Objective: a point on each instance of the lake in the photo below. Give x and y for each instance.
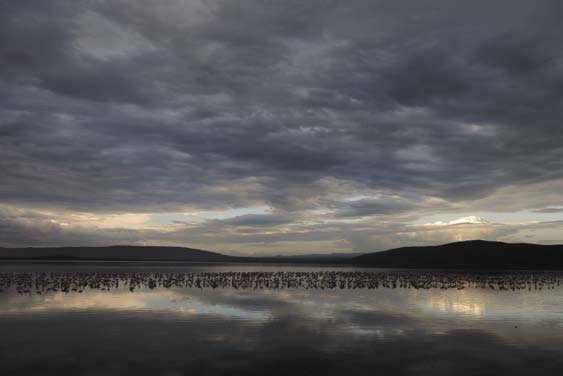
(140, 319)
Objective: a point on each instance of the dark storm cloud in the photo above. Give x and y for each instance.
(150, 106)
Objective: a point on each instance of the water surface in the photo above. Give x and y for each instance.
(87, 320)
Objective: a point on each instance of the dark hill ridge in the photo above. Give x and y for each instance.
(148, 253)
(475, 254)
(113, 253)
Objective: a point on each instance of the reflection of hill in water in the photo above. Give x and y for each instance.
(39, 283)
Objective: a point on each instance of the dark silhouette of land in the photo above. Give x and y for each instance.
(114, 253)
(475, 254)
(149, 254)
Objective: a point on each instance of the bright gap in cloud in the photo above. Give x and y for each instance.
(512, 217)
(164, 219)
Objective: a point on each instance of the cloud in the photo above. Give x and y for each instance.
(124, 108)
(472, 219)
(251, 220)
(549, 210)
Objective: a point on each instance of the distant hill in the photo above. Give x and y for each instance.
(151, 253)
(325, 257)
(475, 254)
(113, 253)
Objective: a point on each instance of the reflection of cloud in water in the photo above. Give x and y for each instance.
(457, 304)
(117, 344)
(168, 301)
(205, 331)
(379, 314)
(491, 305)
(327, 304)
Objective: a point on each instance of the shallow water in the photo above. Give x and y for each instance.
(322, 324)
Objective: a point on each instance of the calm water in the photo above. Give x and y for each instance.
(88, 320)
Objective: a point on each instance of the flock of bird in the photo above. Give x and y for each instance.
(70, 282)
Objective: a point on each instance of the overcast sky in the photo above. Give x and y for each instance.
(279, 127)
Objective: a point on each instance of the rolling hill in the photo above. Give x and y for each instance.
(114, 253)
(474, 254)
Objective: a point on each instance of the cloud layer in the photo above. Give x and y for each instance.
(335, 115)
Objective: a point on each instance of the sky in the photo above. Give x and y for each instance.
(263, 127)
